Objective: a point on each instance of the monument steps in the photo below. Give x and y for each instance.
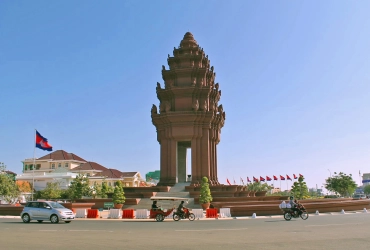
(176, 191)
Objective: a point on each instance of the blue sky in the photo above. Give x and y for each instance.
(294, 77)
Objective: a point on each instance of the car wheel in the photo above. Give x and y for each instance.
(39, 221)
(67, 221)
(54, 219)
(26, 218)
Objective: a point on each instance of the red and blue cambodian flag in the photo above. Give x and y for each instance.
(268, 178)
(282, 178)
(42, 142)
(262, 179)
(248, 180)
(275, 178)
(255, 179)
(288, 177)
(294, 176)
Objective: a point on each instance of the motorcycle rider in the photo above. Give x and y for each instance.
(293, 205)
(154, 206)
(180, 209)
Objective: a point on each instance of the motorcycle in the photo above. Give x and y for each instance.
(290, 213)
(185, 215)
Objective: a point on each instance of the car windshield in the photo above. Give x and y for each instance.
(56, 205)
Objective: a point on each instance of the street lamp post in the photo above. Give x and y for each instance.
(329, 172)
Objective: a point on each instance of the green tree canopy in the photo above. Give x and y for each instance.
(341, 183)
(118, 194)
(205, 192)
(367, 189)
(52, 191)
(79, 187)
(300, 189)
(258, 186)
(104, 190)
(8, 188)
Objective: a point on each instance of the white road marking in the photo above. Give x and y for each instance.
(327, 225)
(205, 230)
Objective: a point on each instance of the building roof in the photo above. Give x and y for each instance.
(10, 172)
(61, 155)
(90, 166)
(129, 174)
(110, 173)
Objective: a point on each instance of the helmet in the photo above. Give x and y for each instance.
(291, 197)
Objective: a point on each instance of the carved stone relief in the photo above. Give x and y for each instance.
(195, 105)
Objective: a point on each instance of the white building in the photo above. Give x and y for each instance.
(62, 167)
(366, 179)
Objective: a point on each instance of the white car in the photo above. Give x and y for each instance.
(46, 210)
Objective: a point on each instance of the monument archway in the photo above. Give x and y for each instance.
(189, 116)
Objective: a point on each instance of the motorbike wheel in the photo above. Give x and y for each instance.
(287, 216)
(176, 217)
(191, 217)
(304, 215)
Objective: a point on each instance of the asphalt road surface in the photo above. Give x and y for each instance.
(339, 231)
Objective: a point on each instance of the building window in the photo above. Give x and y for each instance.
(25, 167)
(38, 166)
(59, 165)
(31, 167)
(88, 174)
(109, 184)
(53, 166)
(66, 165)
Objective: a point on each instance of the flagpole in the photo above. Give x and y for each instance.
(280, 185)
(33, 167)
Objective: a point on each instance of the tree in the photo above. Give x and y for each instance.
(341, 183)
(367, 189)
(104, 190)
(300, 189)
(8, 188)
(205, 192)
(52, 191)
(96, 190)
(24, 186)
(79, 187)
(118, 195)
(259, 186)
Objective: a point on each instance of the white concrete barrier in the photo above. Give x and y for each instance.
(225, 212)
(81, 213)
(317, 212)
(198, 213)
(342, 212)
(254, 215)
(364, 211)
(115, 213)
(142, 213)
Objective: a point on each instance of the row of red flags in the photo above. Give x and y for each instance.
(274, 177)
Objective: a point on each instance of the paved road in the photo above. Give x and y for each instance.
(348, 231)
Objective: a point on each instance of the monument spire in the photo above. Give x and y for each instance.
(189, 115)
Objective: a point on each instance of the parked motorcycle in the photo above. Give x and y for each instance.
(186, 215)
